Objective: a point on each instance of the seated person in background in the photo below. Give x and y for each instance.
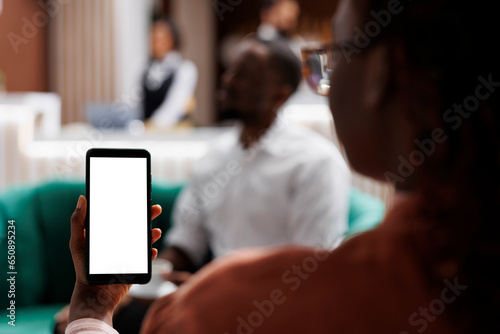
(265, 182)
(169, 81)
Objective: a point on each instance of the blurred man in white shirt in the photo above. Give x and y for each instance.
(265, 182)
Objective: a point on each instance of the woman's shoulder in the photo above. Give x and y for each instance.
(187, 65)
(373, 276)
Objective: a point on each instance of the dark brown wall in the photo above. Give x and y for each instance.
(244, 17)
(315, 20)
(23, 26)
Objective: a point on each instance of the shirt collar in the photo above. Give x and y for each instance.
(173, 57)
(162, 69)
(271, 142)
(267, 32)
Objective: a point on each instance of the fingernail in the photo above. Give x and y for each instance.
(80, 202)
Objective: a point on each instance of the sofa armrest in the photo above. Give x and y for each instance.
(18, 204)
(365, 212)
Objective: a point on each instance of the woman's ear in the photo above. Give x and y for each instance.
(387, 79)
(425, 101)
(417, 93)
(282, 94)
(377, 78)
(387, 102)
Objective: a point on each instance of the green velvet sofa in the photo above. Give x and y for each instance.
(45, 274)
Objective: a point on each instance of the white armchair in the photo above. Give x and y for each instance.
(47, 108)
(16, 132)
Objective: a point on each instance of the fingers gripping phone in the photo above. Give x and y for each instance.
(118, 223)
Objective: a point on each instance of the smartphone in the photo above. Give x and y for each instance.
(118, 223)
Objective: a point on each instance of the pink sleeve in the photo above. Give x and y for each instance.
(89, 326)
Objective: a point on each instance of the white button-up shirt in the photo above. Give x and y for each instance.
(289, 188)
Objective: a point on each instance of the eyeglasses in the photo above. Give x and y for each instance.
(317, 66)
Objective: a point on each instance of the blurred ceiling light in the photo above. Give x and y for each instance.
(0, 7)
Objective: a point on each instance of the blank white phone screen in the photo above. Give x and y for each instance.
(118, 216)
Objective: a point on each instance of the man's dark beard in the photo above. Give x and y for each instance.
(285, 33)
(229, 114)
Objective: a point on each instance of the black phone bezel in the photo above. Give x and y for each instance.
(128, 278)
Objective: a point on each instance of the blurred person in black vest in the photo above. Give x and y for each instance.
(169, 80)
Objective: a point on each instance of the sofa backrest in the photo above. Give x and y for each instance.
(42, 218)
(18, 204)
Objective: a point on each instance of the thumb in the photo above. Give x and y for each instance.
(77, 241)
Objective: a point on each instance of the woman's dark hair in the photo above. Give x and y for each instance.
(174, 30)
(453, 43)
(266, 4)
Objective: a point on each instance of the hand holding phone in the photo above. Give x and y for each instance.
(104, 298)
